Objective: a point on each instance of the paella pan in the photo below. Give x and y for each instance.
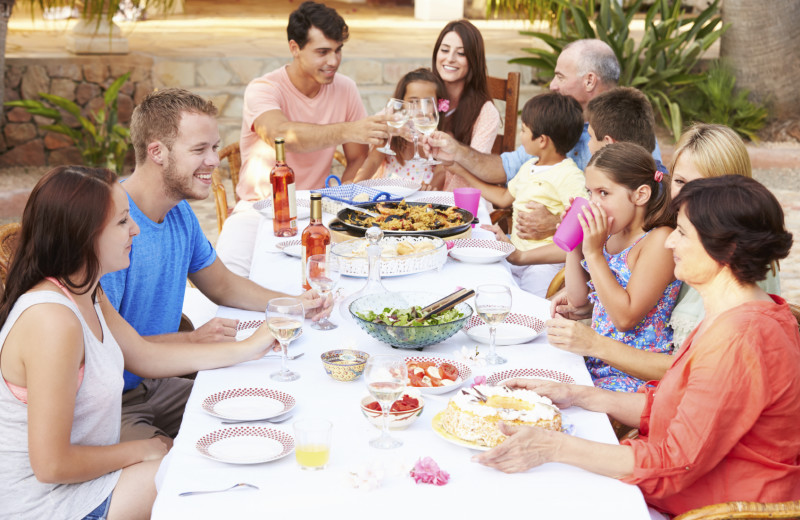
(406, 218)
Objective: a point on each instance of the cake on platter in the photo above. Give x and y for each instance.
(474, 414)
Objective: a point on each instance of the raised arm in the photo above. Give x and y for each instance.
(356, 155)
(487, 167)
(309, 137)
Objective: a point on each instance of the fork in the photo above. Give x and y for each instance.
(290, 358)
(240, 484)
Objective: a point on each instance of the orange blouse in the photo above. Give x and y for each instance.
(722, 424)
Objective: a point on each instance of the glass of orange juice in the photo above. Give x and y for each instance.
(312, 443)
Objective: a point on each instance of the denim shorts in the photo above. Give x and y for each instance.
(101, 511)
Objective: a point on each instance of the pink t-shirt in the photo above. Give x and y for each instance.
(483, 133)
(336, 102)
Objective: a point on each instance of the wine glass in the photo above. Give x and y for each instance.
(285, 319)
(397, 115)
(386, 380)
(493, 303)
(322, 273)
(425, 116)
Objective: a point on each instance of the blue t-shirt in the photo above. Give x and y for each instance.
(149, 293)
(513, 161)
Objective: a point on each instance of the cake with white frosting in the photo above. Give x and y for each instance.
(474, 414)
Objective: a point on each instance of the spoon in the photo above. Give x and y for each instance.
(240, 484)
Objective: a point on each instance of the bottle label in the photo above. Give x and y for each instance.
(292, 203)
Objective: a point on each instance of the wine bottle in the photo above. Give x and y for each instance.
(316, 239)
(284, 203)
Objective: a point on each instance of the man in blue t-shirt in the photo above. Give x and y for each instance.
(584, 70)
(175, 137)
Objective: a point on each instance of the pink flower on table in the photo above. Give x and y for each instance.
(428, 472)
(479, 380)
(444, 105)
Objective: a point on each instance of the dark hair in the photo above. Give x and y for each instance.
(632, 166)
(421, 74)
(557, 116)
(62, 220)
(158, 118)
(624, 114)
(476, 87)
(739, 222)
(312, 14)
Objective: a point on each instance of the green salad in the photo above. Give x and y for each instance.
(408, 317)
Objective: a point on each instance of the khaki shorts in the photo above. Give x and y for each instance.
(155, 407)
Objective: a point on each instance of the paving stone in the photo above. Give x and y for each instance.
(85, 92)
(245, 71)
(65, 156)
(143, 88)
(55, 141)
(34, 81)
(13, 77)
(18, 133)
(64, 88)
(363, 72)
(65, 70)
(233, 108)
(213, 73)
(28, 154)
(18, 115)
(95, 72)
(124, 108)
(219, 101)
(393, 71)
(174, 74)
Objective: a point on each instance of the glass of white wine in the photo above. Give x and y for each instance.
(425, 116)
(397, 115)
(285, 320)
(386, 379)
(323, 275)
(493, 302)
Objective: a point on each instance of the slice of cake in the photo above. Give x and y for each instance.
(473, 414)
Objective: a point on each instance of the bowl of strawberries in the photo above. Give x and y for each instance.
(404, 411)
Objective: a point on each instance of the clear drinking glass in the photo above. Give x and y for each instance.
(493, 303)
(425, 116)
(322, 273)
(312, 443)
(285, 319)
(386, 379)
(397, 115)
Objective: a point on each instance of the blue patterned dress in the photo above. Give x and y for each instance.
(651, 334)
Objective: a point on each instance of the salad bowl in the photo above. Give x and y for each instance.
(391, 318)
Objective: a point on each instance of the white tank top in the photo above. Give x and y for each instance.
(95, 422)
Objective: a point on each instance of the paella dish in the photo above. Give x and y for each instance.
(401, 216)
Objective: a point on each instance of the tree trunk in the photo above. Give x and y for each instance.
(5, 13)
(762, 47)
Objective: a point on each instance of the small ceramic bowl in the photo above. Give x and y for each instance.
(397, 420)
(343, 364)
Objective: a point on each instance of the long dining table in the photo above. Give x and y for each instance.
(361, 481)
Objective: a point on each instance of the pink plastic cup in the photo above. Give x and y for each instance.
(569, 233)
(468, 199)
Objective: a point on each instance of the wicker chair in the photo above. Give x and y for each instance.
(9, 235)
(232, 153)
(743, 510)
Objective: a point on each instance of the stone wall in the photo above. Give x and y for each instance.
(82, 80)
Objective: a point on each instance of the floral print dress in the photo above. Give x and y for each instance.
(651, 334)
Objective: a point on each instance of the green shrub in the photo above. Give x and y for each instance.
(103, 142)
(660, 65)
(716, 100)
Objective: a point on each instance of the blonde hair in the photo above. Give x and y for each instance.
(715, 150)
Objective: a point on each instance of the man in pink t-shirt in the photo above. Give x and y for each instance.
(313, 108)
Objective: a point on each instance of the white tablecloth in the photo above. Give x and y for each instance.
(549, 491)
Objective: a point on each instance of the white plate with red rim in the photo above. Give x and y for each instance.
(477, 251)
(397, 187)
(446, 200)
(246, 445)
(248, 404)
(532, 373)
(515, 330)
(464, 373)
(291, 247)
(303, 203)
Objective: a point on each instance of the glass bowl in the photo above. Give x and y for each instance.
(406, 337)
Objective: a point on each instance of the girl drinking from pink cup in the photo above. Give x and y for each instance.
(406, 163)
(622, 266)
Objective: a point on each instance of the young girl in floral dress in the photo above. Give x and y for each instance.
(623, 267)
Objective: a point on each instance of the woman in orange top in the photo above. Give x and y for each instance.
(724, 425)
